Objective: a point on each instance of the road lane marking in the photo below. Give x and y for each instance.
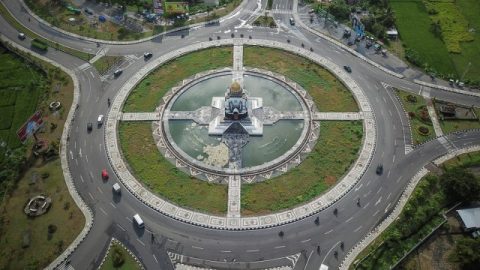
(359, 187)
(374, 214)
(357, 229)
(75, 145)
(393, 160)
(225, 251)
(388, 206)
(99, 189)
(388, 197)
(86, 157)
(366, 205)
(399, 178)
(388, 175)
(306, 240)
(252, 250)
(195, 247)
(348, 220)
(113, 205)
(121, 227)
(103, 211)
(81, 178)
(91, 195)
(91, 174)
(155, 258)
(328, 232)
(277, 247)
(390, 112)
(378, 201)
(368, 183)
(140, 242)
(306, 264)
(378, 191)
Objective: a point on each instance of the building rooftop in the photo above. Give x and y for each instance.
(470, 217)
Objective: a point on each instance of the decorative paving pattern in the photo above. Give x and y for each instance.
(234, 223)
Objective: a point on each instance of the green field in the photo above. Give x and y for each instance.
(458, 125)
(162, 177)
(147, 94)
(415, 120)
(128, 264)
(20, 88)
(326, 90)
(336, 149)
(450, 52)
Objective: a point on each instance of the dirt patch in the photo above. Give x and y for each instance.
(330, 180)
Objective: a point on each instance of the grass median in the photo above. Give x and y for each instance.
(119, 259)
(335, 151)
(162, 177)
(148, 93)
(326, 90)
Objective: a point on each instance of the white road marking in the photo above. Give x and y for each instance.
(378, 191)
(374, 214)
(140, 242)
(384, 99)
(172, 241)
(277, 247)
(76, 161)
(120, 227)
(393, 160)
(71, 154)
(155, 258)
(195, 247)
(359, 187)
(399, 178)
(103, 211)
(80, 152)
(328, 232)
(252, 250)
(113, 205)
(91, 73)
(128, 219)
(379, 200)
(388, 175)
(86, 157)
(390, 112)
(91, 174)
(357, 229)
(99, 190)
(91, 195)
(226, 251)
(346, 221)
(388, 206)
(306, 264)
(388, 197)
(368, 183)
(366, 205)
(306, 240)
(75, 145)
(81, 178)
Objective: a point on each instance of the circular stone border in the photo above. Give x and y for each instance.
(283, 163)
(217, 222)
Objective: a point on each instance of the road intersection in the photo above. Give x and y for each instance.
(166, 240)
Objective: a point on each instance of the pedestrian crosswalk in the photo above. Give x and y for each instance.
(447, 144)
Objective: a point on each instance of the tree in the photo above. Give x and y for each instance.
(339, 9)
(118, 258)
(466, 253)
(459, 185)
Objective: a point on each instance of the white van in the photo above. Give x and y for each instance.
(138, 220)
(100, 120)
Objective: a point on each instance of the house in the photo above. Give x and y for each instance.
(470, 218)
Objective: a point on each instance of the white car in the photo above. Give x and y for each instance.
(116, 188)
(21, 36)
(100, 120)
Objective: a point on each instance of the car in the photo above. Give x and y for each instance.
(292, 21)
(116, 188)
(100, 120)
(347, 69)
(138, 220)
(379, 170)
(21, 36)
(89, 126)
(104, 174)
(88, 11)
(117, 72)
(147, 55)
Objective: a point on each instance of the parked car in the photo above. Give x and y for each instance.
(105, 174)
(89, 126)
(347, 69)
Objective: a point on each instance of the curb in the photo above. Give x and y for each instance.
(341, 45)
(113, 42)
(312, 207)
(445, 88)
(371, 236)
(117, 242)
(63, 156)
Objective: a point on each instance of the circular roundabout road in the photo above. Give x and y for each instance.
(305, 242)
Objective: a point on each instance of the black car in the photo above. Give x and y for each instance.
(147, 55)
(379, 169)
(117, 73)
(347, 69)
(89, 127)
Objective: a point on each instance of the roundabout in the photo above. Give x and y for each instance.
(209, 201)
(234, 175)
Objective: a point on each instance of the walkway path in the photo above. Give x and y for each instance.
(337, 116)
(238, 63)
(433, 116)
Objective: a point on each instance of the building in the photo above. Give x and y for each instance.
(470, 218)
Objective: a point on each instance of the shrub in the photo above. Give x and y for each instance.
(423, 130)
(37, 43)
(118, 258)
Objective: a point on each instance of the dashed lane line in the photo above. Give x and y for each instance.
(226, 251)
(141, 242)
(252, 250)
(81, 178)
(306, 240)
(99, 190)
(113, 205)
(378, 201)
(328, 232)
(357, 229)
(91, 196)
(195, 247)
(155, 258)
(376, 212)
(121, 227)
(348, 220)
(103, 211)
(277, 247)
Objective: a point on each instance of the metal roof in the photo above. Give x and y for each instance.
(470, 217)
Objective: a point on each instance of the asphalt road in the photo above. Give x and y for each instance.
(241, 249)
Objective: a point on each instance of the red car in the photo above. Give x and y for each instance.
(104, 174)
